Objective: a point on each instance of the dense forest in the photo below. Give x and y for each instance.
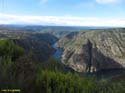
(19, 71)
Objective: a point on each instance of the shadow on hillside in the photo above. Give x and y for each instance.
(93, 60)
(105, 66)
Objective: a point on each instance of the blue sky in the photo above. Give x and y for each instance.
(63, 12)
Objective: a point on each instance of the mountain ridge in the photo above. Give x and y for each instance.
(94, 50)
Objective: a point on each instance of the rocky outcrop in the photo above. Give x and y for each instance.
(94, 50)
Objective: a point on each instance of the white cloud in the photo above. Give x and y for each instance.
(108, 1)
(62, 20)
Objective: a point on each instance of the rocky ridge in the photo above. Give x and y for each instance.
(94, 50)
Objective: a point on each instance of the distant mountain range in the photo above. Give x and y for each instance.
(47, 27)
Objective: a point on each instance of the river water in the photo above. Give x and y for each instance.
(58, 53)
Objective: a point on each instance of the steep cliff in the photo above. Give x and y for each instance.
(94, 50)
(39, 44)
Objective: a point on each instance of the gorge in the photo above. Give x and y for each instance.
(90, 61)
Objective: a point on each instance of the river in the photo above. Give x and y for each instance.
(58, 53)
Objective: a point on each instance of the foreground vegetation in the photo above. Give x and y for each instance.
(18, 71)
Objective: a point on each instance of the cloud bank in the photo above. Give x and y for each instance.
(61, 20)
(108, 1)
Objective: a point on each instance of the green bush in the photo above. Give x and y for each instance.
(57, 82)
(9, 52)
(9, 48)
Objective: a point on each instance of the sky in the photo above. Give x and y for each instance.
(63, 12)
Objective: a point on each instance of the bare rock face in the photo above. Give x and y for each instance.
(94, 50)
